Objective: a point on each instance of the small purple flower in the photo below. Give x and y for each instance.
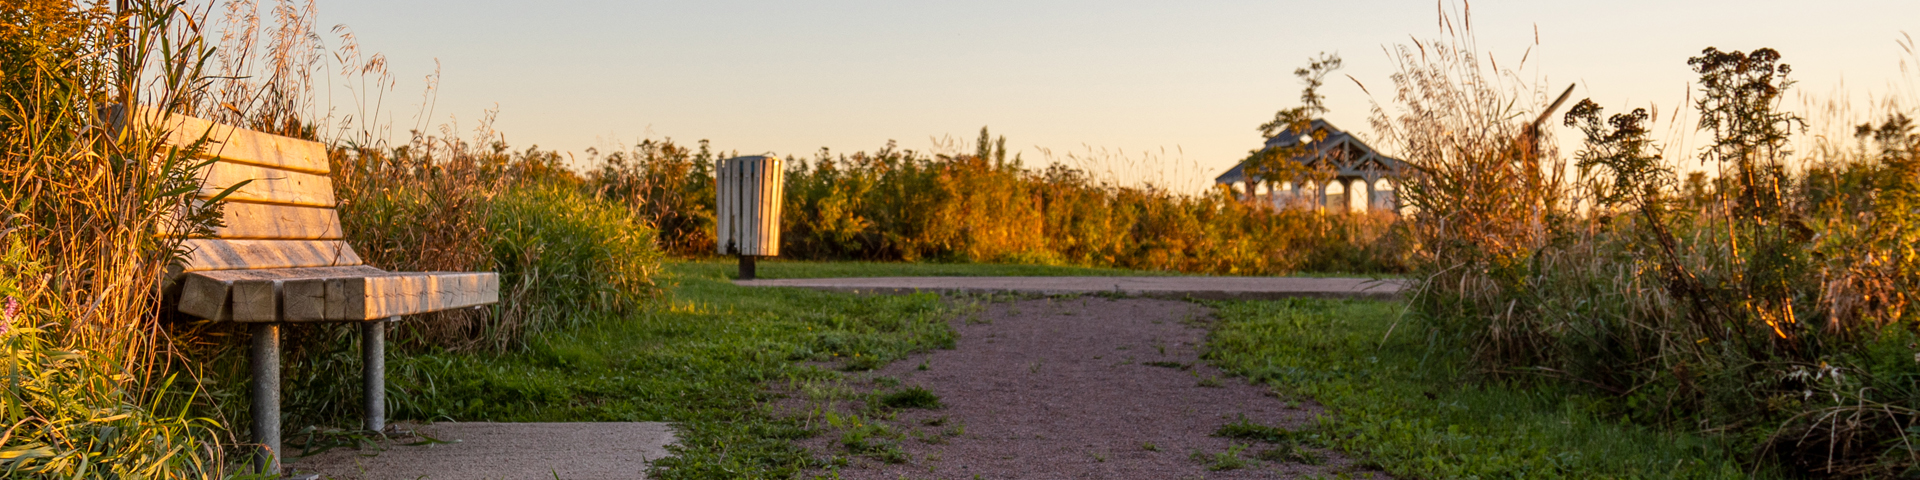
(12, 310)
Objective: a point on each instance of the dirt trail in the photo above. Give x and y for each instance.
(1083, 387)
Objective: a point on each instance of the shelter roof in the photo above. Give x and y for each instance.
(1346, 154)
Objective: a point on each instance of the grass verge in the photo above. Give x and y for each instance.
(700, 358)
(1397, 402)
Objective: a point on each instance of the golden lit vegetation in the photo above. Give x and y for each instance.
(1764, 304)
(904, 205)
(95, 386)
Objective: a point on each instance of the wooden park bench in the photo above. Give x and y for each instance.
(280, 258)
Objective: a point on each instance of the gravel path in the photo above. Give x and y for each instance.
(1084, 387)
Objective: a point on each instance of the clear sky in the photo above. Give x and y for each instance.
(1132, 79)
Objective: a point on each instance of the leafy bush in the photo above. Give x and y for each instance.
(561, 252)
(670, 187)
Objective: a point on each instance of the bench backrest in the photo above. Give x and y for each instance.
(284, 218)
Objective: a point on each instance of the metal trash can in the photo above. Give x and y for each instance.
(747, 209)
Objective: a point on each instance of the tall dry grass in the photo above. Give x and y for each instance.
(1765, 304)
(96, 386)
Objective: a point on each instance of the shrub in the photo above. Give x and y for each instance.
(668, 186)
(562, 252)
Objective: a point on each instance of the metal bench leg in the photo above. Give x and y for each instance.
(373, 371)
(266, 395)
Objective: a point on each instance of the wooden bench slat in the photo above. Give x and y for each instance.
(246, 220)
(207, 294)
(266, 221)
(330, 294)
(240, 145)
(268, 185)
(217, 254)
(382, 296)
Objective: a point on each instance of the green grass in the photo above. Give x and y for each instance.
(911, 397)
(1227, 460)
(701, 357)
(1397, 402)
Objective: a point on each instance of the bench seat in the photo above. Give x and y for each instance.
(330, 294)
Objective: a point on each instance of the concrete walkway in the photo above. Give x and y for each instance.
(1212, 288)
(509, 451)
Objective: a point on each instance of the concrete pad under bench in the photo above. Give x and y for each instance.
(509, 451)
(1211, 288)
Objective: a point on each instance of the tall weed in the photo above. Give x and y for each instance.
(1765, 304)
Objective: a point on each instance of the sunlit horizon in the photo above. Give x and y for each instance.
(1134, 91)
